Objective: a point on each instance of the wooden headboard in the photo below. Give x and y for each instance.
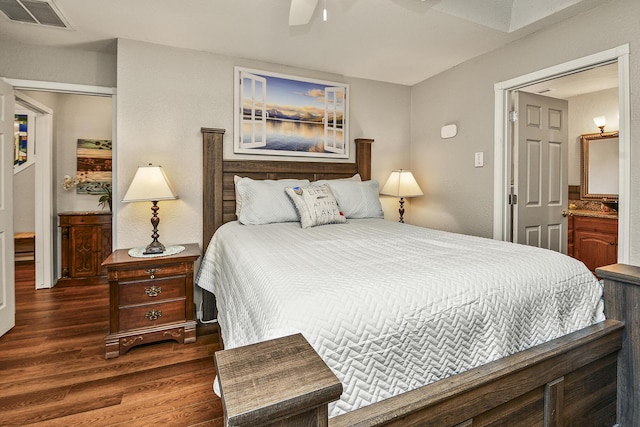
(218, 190)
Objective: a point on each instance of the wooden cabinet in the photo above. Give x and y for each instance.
(595, 240)
(150, 299)
(85, 243)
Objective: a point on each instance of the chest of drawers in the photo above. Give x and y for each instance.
(150, 299)
(85, 243)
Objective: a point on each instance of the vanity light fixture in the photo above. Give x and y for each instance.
(600, 122)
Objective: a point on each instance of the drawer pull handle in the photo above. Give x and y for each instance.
(152, 272)
(153, 314)
(153, 291)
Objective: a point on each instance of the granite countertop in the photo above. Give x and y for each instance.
(592, 213)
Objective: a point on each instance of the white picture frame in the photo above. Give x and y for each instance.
(283, 115)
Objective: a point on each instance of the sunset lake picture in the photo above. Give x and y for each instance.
(284, 115)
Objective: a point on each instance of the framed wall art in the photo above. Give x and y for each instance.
(24, 140)
(283, 115)
(94, 165)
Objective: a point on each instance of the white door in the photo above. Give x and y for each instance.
(540, 171)
(253, 102)
(334, 111)
(7, 278)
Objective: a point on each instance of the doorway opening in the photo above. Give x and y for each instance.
(503, 149)
(36, 96)
(32, 188)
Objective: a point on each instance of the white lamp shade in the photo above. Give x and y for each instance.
(600, 121)
(401, 183)
(149, 184)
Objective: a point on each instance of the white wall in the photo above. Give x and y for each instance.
(77, 117)
(50, 64)
(458, 196)
(382, 111)
(582, 110)
(74, 117)
(23, 201)
(165, 95)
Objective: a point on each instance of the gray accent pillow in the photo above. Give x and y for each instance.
(358, 199)
(316, 205)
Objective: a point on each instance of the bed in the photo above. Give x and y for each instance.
(381, 361)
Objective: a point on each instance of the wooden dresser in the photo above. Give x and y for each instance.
(150, 299)
(593, 239)
(85, 243)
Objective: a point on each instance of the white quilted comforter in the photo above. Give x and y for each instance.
(391, 307)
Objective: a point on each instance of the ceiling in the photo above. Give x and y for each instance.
(397, 41)
(588, 81)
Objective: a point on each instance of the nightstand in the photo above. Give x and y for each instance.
(150, 299)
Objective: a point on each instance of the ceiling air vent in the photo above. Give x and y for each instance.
(33, 12)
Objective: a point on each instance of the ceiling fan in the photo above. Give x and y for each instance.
(301, 11)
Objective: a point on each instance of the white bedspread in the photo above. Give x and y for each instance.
(391, 307)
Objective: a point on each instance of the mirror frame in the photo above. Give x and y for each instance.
(584, 169)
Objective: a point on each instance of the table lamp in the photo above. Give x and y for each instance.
(150, 184)
(401, 183)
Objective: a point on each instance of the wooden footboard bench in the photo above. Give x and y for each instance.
(567, 381)
(622, 302)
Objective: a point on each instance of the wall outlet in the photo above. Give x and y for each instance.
(479, 159)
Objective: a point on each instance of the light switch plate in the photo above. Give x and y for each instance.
(479, 159)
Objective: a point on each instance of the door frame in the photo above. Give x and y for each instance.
(45, 217)
(502, 147)
(43, 172)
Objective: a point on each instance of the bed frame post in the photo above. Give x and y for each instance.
(363, 157)
(622, 302)
(211, 188)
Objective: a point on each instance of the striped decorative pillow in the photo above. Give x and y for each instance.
(316, 205)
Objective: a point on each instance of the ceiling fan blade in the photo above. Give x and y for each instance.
(301, 11)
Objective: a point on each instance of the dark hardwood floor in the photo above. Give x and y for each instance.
(53, 370)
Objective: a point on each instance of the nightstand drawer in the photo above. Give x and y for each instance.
(152, 272)
(152, 291)
(150, 315)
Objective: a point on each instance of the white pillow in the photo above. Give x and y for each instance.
(237, 178)
(316, 205)
(355, 177)
(265, 201)
(358, 199)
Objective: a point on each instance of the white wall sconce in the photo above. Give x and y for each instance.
(600, 122)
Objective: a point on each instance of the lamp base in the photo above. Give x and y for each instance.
(154, 247)
(401, 210)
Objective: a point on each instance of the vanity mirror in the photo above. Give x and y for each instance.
(599, 166)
